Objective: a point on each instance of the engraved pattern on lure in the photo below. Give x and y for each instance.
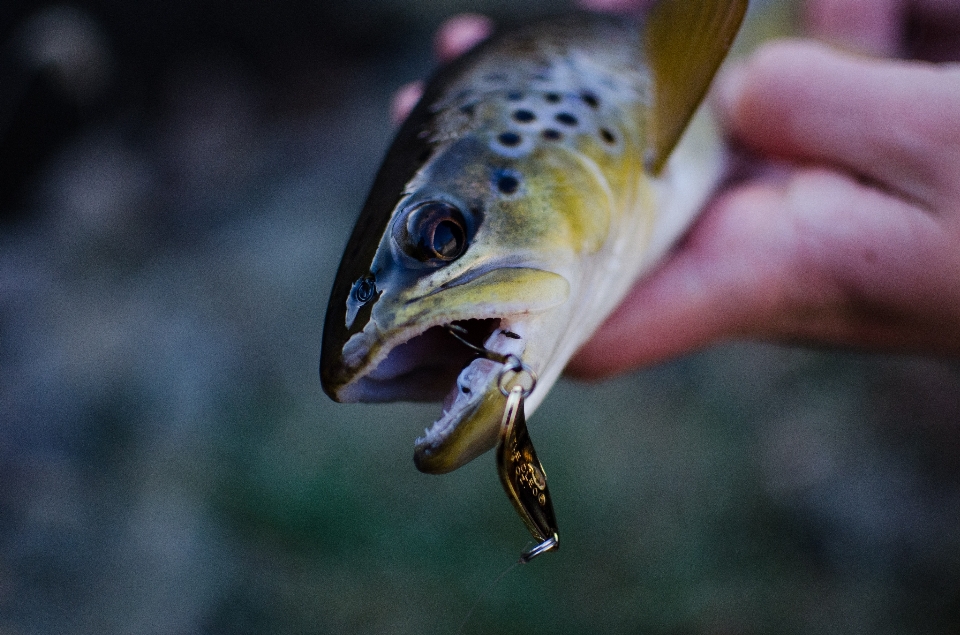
(520, 471)
(523, 478)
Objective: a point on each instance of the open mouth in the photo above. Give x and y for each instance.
(424, 367)
(437, 366)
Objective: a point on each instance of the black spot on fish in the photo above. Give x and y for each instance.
(511, 335)
(508, 183)
(607, 136)
(590, 99)
(552, 135)
(468, 110)
(465, 390)
(509, 139)
(524, 116)
(514, 95)
(553, 98)
(566, 119)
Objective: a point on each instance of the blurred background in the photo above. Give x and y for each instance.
(177, 181)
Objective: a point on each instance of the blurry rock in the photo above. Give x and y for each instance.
(99, 195)
(66, 43)
(55, 72)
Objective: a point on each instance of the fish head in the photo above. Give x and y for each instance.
(486, 235)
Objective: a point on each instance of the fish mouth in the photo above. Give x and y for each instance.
(405, 353)
(433, 365)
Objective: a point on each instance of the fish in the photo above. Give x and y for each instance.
(539, 176)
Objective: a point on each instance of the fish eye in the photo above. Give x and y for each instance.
(434, 233)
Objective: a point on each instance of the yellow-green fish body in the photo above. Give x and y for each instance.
(535, 180)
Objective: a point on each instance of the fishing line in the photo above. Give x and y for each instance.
(486, 593)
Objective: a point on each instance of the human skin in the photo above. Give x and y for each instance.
(847, 232)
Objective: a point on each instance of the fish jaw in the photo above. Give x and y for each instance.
(470, 423)
(473, 413)
(404, 352)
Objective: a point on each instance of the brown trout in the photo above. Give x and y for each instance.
(537, 178)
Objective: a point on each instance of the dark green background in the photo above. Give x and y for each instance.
(168, 463)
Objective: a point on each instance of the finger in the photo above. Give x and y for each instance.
(714, 280)
(818, 258)
(892, 122)
(867, 270)
(404, 100)
(867, 26)
(461, 33)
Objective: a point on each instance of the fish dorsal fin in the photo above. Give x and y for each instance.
(686, 41)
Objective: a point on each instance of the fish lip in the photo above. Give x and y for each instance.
(430, 451)
(470, 425)
(374, 360)
(345, 367)
(469, 421)
(357, 372)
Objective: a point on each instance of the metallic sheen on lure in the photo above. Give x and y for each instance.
(537, 178)
(523, 477)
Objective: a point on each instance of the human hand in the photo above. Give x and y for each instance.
(853, 241)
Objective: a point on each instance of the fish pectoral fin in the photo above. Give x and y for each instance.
(686, 42)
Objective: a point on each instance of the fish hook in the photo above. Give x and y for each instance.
(521, 472)
(513, 366)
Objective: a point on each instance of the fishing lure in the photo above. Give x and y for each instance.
(523, 477)
(520, 471)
